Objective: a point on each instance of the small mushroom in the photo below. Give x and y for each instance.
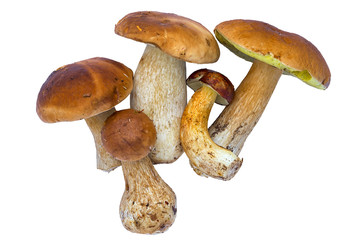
(207, 158)
(159, 80)
(89, 90)
(272, 52)
(148, 204)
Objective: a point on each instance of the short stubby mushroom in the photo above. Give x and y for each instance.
(159, 80)
(148, 204)
(272, 52)
(90, 90)
(207, 158)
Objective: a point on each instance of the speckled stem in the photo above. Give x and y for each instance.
(104, 160)
(206, 158)
(148, 205)
(237, 120)
(160, 91)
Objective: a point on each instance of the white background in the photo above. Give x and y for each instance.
(301, 173)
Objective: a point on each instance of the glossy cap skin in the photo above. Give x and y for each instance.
(287, 51)
(83, 89)
(217, 81)
(128, 135)
(175, 35)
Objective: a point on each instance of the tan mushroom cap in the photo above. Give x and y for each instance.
(128, 135)
(290, 52)
(83, 89)
(175, 35)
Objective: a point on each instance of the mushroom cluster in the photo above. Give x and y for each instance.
(161, 123)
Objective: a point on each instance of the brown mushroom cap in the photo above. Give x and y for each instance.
(128, 135)
(83, 89)
(175, 35)
(217, 81)
(288, 51)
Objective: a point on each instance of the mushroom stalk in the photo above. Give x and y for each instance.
(206, 158)
(104, 160)
(160, 91)
(148, 204)
(237, 120)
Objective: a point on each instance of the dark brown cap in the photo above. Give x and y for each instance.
(83, 89)
(288, 51)
(128, 135)
(217, 81)
(175, 35)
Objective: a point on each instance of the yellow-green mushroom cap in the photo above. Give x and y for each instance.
(289, 52)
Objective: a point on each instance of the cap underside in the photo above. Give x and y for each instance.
(195, 85)
(248, 55)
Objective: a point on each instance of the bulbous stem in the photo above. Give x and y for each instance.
(206, 158)
(105, 161)
(148, 204)
(160, 91)
(237, 120)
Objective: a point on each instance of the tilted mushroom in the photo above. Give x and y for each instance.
(89, 90)
(159, 80)
(272, 52)
(148, 204)
(207, 158)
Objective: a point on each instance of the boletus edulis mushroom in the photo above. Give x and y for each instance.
(159, 80)
(206, 157)
(273, 52)
(148, 204)
(90, 90)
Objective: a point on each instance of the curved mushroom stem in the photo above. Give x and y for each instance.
(160, 91)
(148, 204)
(105, 161)
(237, 120)
(206, 158)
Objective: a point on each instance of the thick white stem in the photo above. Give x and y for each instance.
(160, 91)
(104, 159)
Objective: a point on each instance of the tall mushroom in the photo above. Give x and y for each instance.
(148, 204)
(159, 80)
(272, 52)
(89, 90)
(207, 158)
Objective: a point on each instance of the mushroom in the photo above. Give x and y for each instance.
(207, 158)
(159, 80)
(272, 52)
(89, 90)
(148, 204)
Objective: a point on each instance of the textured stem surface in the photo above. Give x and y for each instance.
(104, 159)
(237, 120)
(148, 204)
(160, 91)
(206, 158)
